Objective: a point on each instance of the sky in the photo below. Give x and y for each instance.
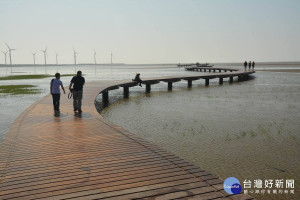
(151, 31)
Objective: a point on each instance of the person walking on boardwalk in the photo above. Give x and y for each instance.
(245, 65)
(138, 79)
(249, 65)
(77, 82)
(55, 91)
(253, 64)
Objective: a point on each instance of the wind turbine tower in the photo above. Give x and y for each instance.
(9, 50)
(75, 55)
(45, 54)
(5, 55)
(95, 57)
(33, 55)
(56, 58)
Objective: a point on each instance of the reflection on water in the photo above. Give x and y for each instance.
(249, 130)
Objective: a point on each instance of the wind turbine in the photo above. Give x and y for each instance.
(45, 54)
(75, 54)
(5, 55)
(56, 55)
(9, 49)
(56, 58)
(95, 57)
(33, 55)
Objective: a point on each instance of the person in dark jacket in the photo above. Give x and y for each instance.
(249, 65)
(245, 65)
(138, 79)
(77, 83)
(253, 64)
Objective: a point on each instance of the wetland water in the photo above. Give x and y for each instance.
(248, 130)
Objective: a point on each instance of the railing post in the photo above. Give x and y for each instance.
(169, 85)
(105, 97)
(220, 81)
(189, 83)
(207, 82)
(231, 79)
(126, 92)
(148, 87)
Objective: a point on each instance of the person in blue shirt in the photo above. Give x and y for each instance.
(55, 91)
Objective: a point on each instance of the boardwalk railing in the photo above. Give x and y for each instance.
(227, 73)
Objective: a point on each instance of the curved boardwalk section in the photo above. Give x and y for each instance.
(85, 157)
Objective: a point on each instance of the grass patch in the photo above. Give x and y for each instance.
(19, 89)
(252, 133)
(31, 76)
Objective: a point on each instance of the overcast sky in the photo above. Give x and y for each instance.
(151, 31)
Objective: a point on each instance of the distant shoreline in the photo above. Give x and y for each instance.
(118, 64)
(280, 70)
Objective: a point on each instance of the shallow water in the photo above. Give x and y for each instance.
(248, 130)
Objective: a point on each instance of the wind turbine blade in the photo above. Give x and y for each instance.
(7, 45)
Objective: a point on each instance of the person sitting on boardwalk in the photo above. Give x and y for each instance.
(77, 82)
(55, 91)
(245, 65)
(138, 79)
(253, 64)
(249, 65)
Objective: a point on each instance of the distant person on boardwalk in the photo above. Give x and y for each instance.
(138, 79)
(245, 65)
(249, 65)
(253, 64)
(77, 82)
(55, 91)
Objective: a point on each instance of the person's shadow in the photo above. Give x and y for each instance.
(59, 114)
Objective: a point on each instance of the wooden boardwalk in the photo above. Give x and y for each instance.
(85, 157)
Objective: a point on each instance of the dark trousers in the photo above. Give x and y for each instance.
(77, 97)
(56, 98)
